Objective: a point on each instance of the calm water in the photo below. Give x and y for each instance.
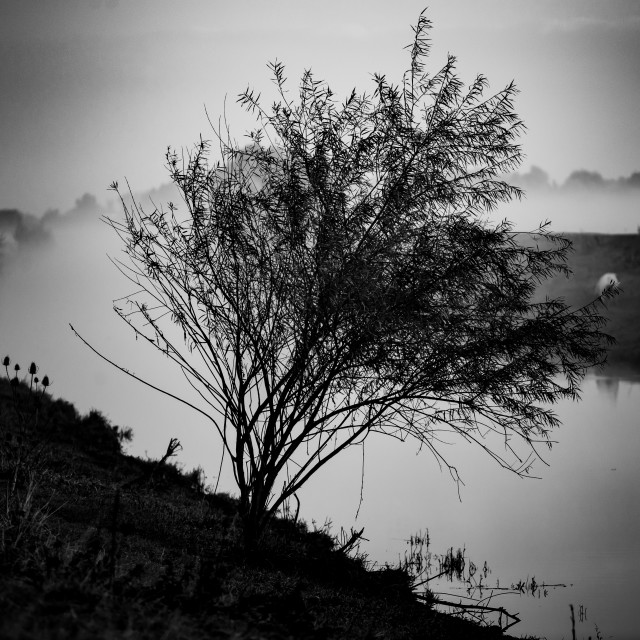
(578, 525)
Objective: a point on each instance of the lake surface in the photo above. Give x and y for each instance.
(578, 525)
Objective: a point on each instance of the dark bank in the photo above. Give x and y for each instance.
(99, 544)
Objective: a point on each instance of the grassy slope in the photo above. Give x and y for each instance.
(136, 550)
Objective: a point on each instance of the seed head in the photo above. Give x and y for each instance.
(6, 361)
(33, 369)
(45, 381)
(16, 367)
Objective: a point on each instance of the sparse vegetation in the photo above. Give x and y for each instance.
(480, 598)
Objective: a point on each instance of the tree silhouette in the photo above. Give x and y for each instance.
(339, 276)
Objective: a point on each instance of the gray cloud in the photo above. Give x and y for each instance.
(593, 24)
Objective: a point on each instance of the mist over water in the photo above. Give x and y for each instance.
(579, 524)
(582, 212)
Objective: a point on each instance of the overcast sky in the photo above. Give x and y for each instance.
(95, 90)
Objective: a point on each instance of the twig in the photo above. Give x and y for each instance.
(479, 607)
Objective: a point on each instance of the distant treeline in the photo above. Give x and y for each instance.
(581, 180)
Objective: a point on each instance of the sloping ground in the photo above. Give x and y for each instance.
(594, 255)
(96, 544)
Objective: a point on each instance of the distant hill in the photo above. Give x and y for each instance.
(594, 255)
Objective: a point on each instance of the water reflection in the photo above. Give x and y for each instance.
(579, 524)
(608, 387)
